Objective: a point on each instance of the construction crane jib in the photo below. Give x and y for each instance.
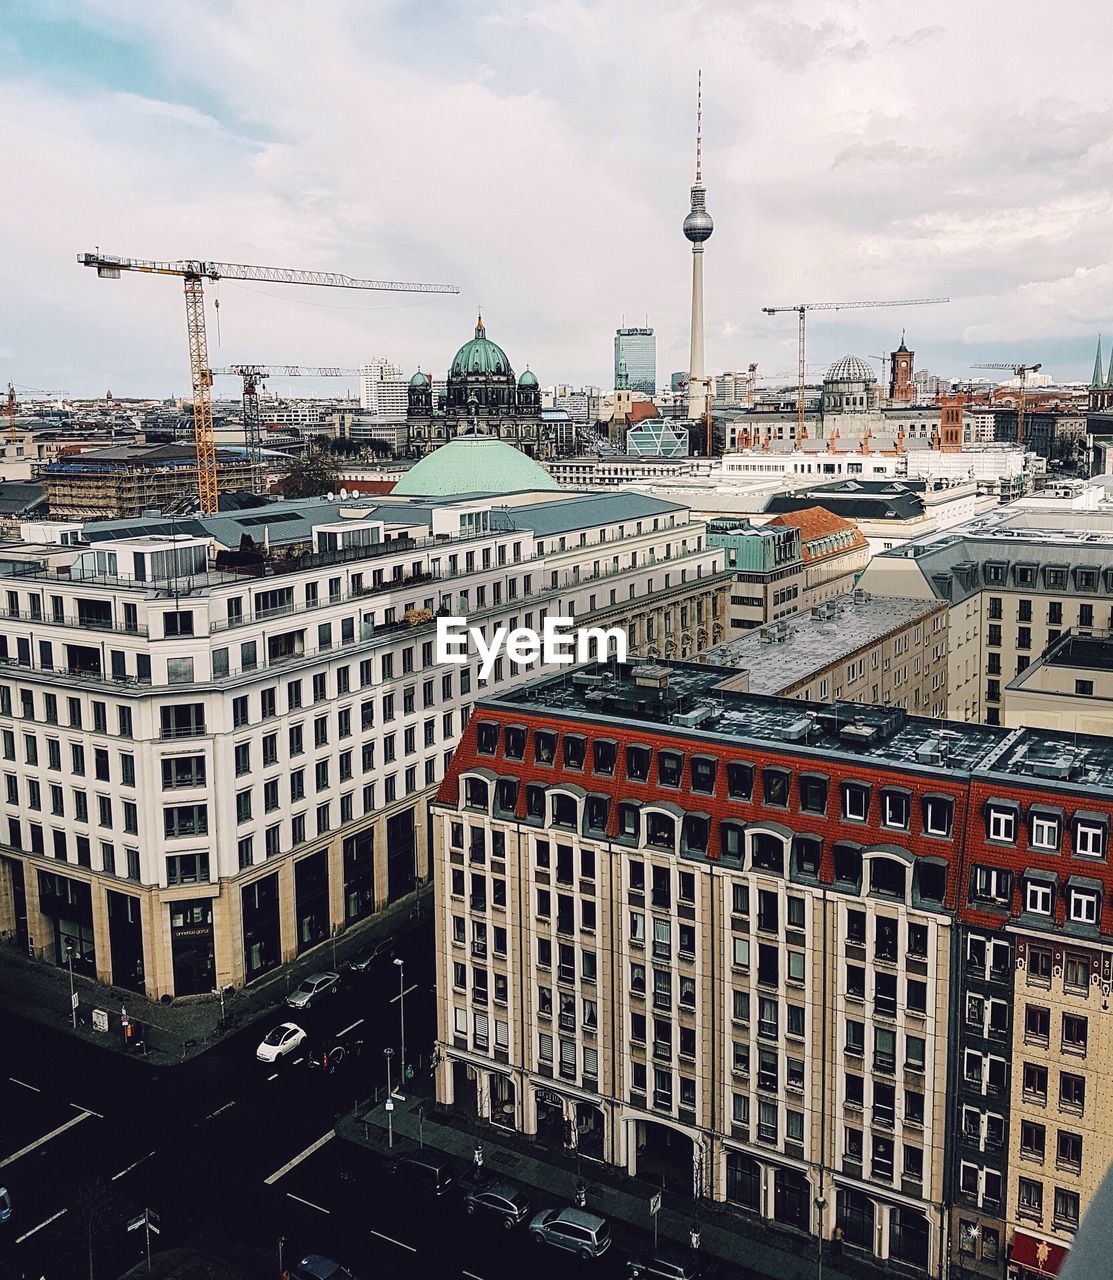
(253, 375)
(802, 308)
(1020, 372)
(193, 273)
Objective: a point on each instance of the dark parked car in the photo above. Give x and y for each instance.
(367, 957)
(427, 1172)
(316, 1267)
(331, 1055)
(662, 1267)
(500, 1200)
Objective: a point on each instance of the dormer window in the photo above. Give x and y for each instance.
(637, 763)
(603, 755)
(1043, 831)
(660, 830)
(670, 768)
(938, 815)
(515, 742)
(573, 751)
(1084, 906)
(544, 746)
(740, 780)
(506, 794)
(475, 794)
(704, 769)
(487, 737)
(813, 793)
(1090, 835)
(565, 811)
(1001, 824)
(855, 801)
(895, 810)
(1039, 898)
(598, 810)
(774, 787)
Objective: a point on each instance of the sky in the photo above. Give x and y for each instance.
(538, 154)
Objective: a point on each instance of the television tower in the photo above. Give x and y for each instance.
(698, 227)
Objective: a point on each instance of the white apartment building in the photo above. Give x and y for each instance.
(215, 759)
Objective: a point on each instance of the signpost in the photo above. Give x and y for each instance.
(148, 1219)
(655, 1209)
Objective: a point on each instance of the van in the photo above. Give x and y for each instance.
(428, 1172)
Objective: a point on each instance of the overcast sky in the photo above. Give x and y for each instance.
(538, 153)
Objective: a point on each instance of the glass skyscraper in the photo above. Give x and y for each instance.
(638, 348)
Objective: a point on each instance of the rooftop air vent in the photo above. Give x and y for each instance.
(796, 730)
(652, 677)
(697, 715)
(930, 752)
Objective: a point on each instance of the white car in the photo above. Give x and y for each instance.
(283, 1039)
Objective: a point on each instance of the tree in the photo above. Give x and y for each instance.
(313, 475)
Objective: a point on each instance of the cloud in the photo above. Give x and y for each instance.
(538, 153)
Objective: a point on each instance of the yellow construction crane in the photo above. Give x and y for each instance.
(193, 273)
(802, 308)
(1020, 372)
(252, 375)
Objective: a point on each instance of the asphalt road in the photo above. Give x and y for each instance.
(234, 1156)
(88, 1139)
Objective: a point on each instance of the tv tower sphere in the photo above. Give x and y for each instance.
(698, 225)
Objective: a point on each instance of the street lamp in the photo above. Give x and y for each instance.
(402, 1012)
(820, 1205)
(388, 1053)
(69, 965)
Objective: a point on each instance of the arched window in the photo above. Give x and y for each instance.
(888, 876)
(767, 853)
(566, 811)
(660, 830)
(476, 794)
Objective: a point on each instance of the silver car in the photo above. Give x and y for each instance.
(582, 1233)
(310, 989)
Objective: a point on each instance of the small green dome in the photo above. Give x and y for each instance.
(480, 355)
(528, 379)
(474, 464)
(419, 380)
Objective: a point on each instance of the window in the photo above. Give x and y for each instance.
(1089, 839)
(1035, 1082)
(813, 793)
(1037, 1024)
(774, 785)
(1072, 1091)
(855, 801)
(1033, 1138)
(989, 884)
(894, 810)
(1074, 1033)
(1039, 897)
(1084, 906)
(1066, 1207)
(1068, 1150)
(1043, 832)
(1030, 1198)
(1001, 825)
(938, 815)
(740, 780)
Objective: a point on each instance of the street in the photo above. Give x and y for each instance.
(234, 1155)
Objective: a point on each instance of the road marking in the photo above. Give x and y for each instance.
(472, 1276)
(23, 1084)
(117, 1176)
(358, 1023)
(31, 1146)
(87, 1110)
(304, 1155)
(297, 1060)
(28, 1234)
(220, 1109)
(400, 1243)
(274, 1077)
(310, 1203)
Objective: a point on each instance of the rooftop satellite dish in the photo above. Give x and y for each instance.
(343, 495)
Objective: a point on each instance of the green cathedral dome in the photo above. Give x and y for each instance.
(480, 355)
(474, 464)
